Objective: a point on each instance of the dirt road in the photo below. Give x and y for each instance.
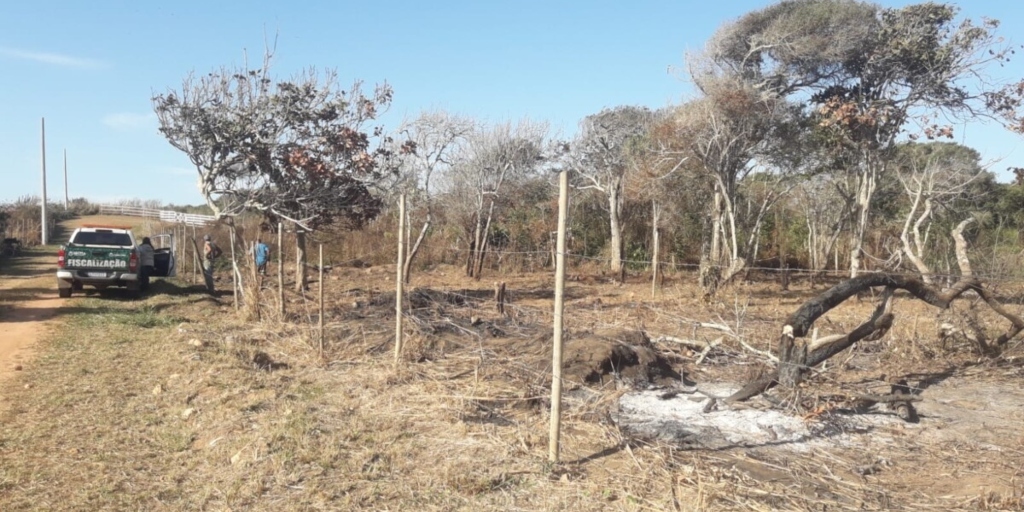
(28, 293)
(28, 305)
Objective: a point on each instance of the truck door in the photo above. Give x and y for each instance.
(163, 259)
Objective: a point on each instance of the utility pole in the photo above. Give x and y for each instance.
(44, 238)
(65, 179)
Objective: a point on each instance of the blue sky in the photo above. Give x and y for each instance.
(90, 68)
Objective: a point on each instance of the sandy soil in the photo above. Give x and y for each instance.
(29, 291)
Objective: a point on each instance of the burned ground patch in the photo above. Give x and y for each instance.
(625, 357)
(177, 405)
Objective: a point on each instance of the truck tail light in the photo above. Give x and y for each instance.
(133, 261)
(60, 258)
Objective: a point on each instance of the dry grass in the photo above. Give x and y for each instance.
(175, 403)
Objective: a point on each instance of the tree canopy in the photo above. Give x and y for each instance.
(301, 150)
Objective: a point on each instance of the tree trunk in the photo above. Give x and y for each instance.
(737, 260)
(614, 212)
(735, 267)
(482, 245)
(474, 244)
(710, 269)
(961, 247)
(301, 278)
(470, 258)
(812, 245)
(280, 268)
(416, 248)
(554, 244)
(915, 252)
(717, 229)
(753, 259)
(729, 211)
(780, 244)
(865, 191)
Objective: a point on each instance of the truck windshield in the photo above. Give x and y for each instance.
(102, 237)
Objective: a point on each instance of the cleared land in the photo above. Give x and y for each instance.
(175, 402)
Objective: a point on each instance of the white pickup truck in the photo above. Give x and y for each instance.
(105, 256)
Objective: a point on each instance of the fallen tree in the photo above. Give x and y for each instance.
(797, 355)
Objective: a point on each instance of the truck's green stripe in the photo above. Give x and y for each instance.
(88, 257)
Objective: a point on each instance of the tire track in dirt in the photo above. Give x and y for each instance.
(29, 306)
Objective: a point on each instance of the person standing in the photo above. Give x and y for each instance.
(262, 253)
(210, 254)
(146, 261)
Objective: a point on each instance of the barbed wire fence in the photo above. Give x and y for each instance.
(723, 334)
(685, 271)
(726, 334)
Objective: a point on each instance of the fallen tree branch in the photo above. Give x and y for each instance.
(1017, 324)
(698, 344)
(772, 357)
(888, 399)
(704, 346)
(718, 327)
(796, 358)
(732, 334)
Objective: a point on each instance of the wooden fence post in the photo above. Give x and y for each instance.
(234, 268)
(280, 267)
(301, 276)
(656, 235)
(321, 301)
(499, 297)
(556, 353)
(400, 279)
(184, 250)
(195, 256)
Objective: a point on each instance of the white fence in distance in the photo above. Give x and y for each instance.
(188, 219)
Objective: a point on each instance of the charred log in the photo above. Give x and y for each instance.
(796, 356)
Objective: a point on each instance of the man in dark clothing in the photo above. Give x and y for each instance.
(210, 254)
(146, 262)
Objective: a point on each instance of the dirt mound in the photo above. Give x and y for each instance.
(600, 357)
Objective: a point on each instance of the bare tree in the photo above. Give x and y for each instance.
(439, 137)
(490, 158)
(729, 132)
(934, 177)
(826, 213)
(656, 175)
(602, 156)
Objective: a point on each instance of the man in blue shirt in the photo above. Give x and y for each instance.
(262, 252)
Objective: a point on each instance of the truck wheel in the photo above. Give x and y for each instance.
(64, 292)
